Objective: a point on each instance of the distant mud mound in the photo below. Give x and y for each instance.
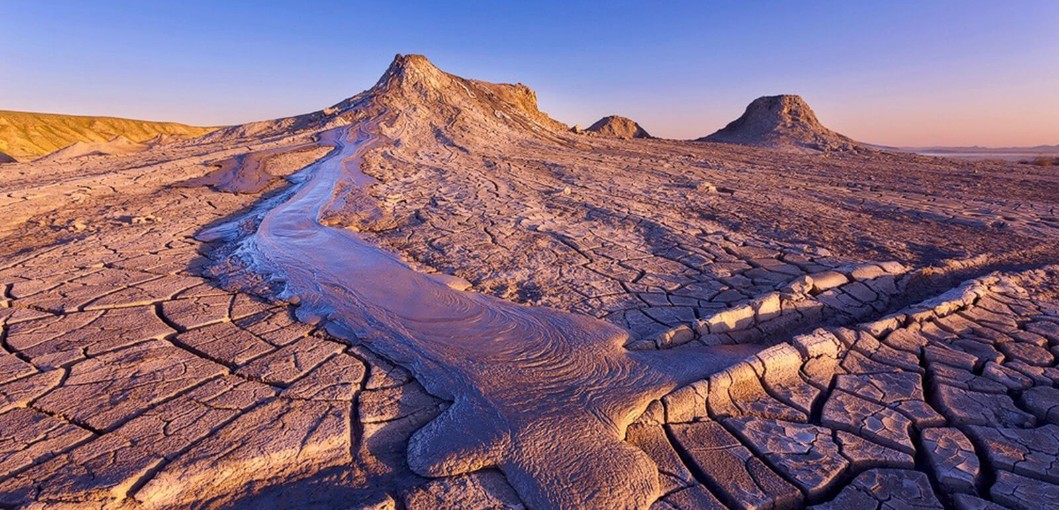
(616, 126)
(784, 122)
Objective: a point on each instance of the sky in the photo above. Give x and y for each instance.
(904, 73)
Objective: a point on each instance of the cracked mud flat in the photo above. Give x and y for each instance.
(530, 387)
(898, 313)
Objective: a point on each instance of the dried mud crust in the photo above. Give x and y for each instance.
(129, 380)
(652, 234)
(949, 403)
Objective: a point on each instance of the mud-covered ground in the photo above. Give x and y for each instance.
(903, 311)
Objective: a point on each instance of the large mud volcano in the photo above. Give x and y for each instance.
(543, 395)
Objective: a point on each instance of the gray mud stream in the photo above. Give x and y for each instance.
(543, 395)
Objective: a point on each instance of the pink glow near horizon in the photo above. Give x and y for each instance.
(904, 74)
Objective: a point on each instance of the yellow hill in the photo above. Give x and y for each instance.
(25, 135)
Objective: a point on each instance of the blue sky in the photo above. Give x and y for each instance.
(902, 73)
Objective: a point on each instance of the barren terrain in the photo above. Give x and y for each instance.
(26, 136)
(431, 295)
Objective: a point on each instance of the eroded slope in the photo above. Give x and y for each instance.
(25, 135)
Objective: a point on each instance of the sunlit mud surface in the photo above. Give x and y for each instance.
(532, 388)
(431, 295)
